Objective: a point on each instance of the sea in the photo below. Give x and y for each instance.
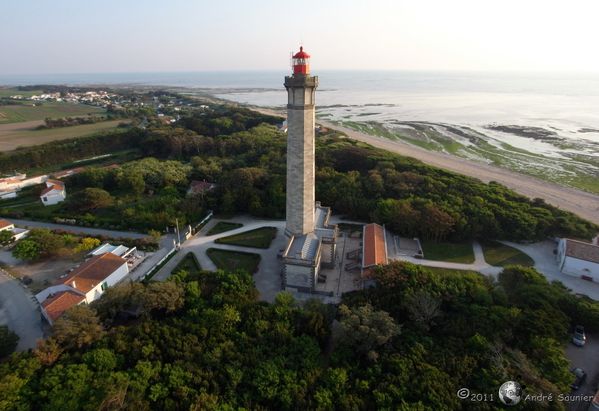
(543, 124)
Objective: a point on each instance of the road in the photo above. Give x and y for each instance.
(584, 204)
(20, 312)
(78, 230)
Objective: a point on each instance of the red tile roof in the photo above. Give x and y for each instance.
(374, 248)
(93, 272)
(51, 188)
(4, 223)
(582, 251)
(60, 302)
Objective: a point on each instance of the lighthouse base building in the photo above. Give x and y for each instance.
(306, 254)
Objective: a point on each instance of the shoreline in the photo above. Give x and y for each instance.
(582, 203)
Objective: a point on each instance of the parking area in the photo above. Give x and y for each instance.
(587, 358)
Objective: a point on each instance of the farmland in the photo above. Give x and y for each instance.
(17, 135)
(15, 113)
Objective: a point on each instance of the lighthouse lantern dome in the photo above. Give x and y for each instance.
(301, 62)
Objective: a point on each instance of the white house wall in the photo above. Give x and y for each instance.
(112, 279)
(576, 267)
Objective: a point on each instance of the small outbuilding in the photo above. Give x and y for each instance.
(54, 192)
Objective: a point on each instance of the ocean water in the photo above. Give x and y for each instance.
(538, 123)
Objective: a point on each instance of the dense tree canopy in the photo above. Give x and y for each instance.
(203, 341)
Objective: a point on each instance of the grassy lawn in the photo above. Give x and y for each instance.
(234, 260)
(28, 112)
(189, 263)
(500, 255)
(452, 252)
(223, 226)
(258, 238)
(450, 271)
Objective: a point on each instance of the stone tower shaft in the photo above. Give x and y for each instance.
(300, 153)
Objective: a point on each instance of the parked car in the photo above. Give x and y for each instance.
(579, 338)
(581, 377)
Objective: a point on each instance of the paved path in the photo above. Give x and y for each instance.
(587, 358)
(267, 279)
(479, 263)
(20, 312)
(77, 229)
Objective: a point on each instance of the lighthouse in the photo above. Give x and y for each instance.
(301, 87)
(312, 240)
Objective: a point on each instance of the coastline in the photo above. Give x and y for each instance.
(582, 203)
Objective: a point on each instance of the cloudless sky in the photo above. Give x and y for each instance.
(87, 36)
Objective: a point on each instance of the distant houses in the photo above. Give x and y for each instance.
(54, 192)
(578, 258)
(87, 282)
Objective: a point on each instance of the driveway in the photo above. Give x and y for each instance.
(77, 229)
(545, 263)
(19, 312)
(268, 277)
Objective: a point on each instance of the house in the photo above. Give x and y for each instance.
(17, 233)
(55, 305)
(200, 187)
(578, 258)
(54, 192)
(374, 251)
(83, 285)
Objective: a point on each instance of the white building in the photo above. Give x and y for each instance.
(17, 233)
(54, 192)
(578, 258)
(84, 284)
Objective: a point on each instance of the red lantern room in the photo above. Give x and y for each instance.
(301, 62)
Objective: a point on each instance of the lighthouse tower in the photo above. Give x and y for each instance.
(301, 88)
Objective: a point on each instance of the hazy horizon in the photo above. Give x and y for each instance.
(70, 37)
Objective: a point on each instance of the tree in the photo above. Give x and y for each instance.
(94, 198)
(366, 329)
(6, 237)
(8, 341)
(77, 327)
(27, 250)
(423, 307)
(87, 243)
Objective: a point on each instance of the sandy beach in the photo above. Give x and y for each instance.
(579, 202)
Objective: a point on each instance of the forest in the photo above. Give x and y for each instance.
(202, 341)
(244, 155)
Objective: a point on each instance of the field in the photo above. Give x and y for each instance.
(234, 260)
(7, 92)
(27, 112)
(500, 255)
(223, 226)
(452, 252)
(258, 238)
(17, 135)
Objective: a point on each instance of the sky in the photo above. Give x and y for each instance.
(98, 36)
